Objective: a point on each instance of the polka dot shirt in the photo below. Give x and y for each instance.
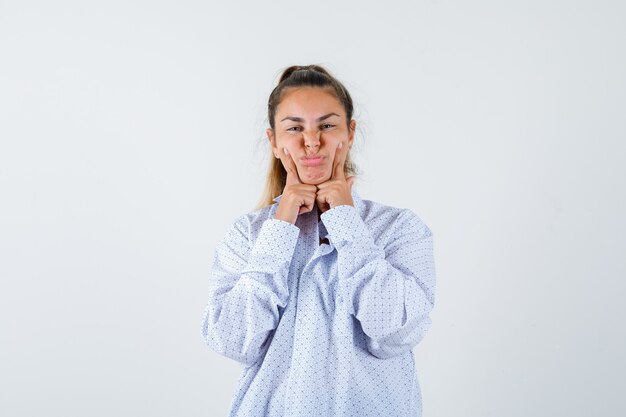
(323, 329)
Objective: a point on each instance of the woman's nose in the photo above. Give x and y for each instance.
(312, 139)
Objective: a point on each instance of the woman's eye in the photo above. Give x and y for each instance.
(294, 127)
(329, 125)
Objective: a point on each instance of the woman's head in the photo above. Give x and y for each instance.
(307, 76)
(309, 113)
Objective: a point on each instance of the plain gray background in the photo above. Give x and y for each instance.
(133, 133)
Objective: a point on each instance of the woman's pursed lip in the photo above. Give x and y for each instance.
(312, 161)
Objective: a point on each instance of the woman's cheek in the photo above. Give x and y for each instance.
(288, 144)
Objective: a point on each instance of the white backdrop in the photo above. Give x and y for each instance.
(132, 134)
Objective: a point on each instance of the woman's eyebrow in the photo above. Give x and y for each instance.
(299, 119)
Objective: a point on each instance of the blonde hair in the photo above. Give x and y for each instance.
(300, 76)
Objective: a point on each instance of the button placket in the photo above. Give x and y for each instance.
(310, 235)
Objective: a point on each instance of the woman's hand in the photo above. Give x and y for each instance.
(297, 198)
(337, 190)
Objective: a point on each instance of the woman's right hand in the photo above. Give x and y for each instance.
(297, 198)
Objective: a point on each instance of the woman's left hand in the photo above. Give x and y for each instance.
(337, 190)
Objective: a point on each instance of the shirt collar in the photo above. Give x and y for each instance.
(356, 198)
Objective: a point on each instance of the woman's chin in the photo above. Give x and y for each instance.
(314, 178)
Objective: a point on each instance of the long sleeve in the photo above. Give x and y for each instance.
(248, 285)
(390, 290)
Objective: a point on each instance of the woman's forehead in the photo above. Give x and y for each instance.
(311, 102)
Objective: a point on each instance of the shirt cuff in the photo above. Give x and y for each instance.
(277, 238)
(344, 224)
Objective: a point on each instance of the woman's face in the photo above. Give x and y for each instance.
(310, 121)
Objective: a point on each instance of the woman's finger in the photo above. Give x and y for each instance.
(338, 162)
(290, 167)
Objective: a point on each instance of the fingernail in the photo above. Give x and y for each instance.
(340, 145)
(286, 151)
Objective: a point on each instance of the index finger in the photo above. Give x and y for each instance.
(338, 161)
(290, 167)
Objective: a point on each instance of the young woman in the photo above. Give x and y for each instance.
(319, 294)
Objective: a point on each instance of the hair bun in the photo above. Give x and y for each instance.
(288, 72)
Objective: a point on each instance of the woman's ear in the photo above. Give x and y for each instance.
(270, 136)
(352, 130)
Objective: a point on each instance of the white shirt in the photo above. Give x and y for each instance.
(323, 329)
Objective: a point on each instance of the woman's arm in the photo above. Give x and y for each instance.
(248, 284)
(391, 290)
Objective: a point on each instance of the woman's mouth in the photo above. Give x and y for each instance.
(312, 161)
